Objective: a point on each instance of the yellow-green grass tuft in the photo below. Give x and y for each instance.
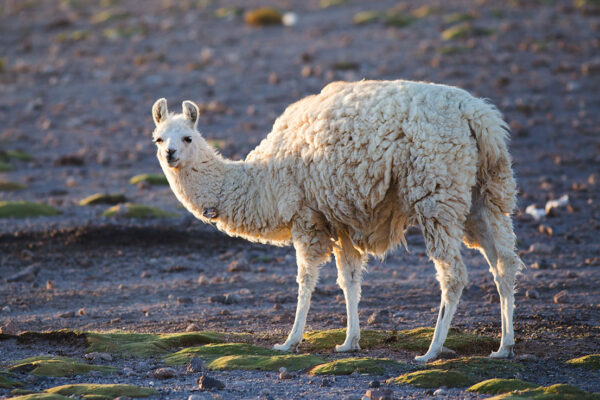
(147, 344)
(591, 361)
(20, 392)
(434, 378)
(41, 396)
(499, 386)
(554, 392)
(263, 16)
(6, 166)
(398, 19)
(19, 155)
(480, 367)
(9, 186)
(108, 391)
(56, 366)
(457, 17)
(363, 365)
(214, 351)
(266, 363)
(133, 210)
(153, 179)
(366, 17)
(103, 198)
(7, 381)
(24, 209)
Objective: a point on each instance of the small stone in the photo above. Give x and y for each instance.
(526, 357)
(128, 371)
(238, 266)
(532, 294)
(571, 275)
(284, 374)
(192, 328)
(219, 298)
(379, 317)
(561, 297)
(379, 394)
(81, 312)
(164, 373)
(232, 298)
(66, 314)
(208, 383)
(26, 275)
(198, 397)
(6, 309)
(439, 392)
(50, 285)
(326, 382)
(145, 274)
(542, 264)
(541, 248)
(115, 321)
(203, 280)
(184, 300)
(9, 328)
(196, 364)
(374, 384)
(98, 356)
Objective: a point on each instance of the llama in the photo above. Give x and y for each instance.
(346, 172)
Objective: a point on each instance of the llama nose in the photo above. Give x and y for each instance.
(170, 153)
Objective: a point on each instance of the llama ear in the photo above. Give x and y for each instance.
(190, 111)
(160, 111)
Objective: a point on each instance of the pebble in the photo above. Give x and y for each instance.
(6, 309)
(379, 317)
(541, 248)
(196, 364)
(374, 384)
(439, 392)
(164, 373)
(561, 297)
(284, 374)
(26, 275)
(184, 300)
(192, 328)
(146, 274)
(122, 398)
(198, 397)
(98, 356)
(9, 328)
(542, 264)
(81, 312)
(66, 314)
(532, 294)
(208, 383)
(238, 266)
(128, 371)
(326, 382)
(379, 394)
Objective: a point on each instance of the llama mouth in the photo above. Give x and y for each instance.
(173, 163)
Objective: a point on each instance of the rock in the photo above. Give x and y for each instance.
(379, 394)
(208, 383)
(145, 274)
(532, 294)
(192, 328)
(379, 317)
(50, 285)
(326, 382)
(238, 266)
(591, 67)
(196, 364)
(66, 314)
(26, 275)
(542, 264)
(232, 298)
(352, 397)
(219, 298)
(81, 312)
(541, 248)
(374, 384)
(284, 374)
(9, 328)
(98, 356)
(6, 309)
(164, 373)
(128, 372)
(439, 392)
(199, 397)
(561, 297)
(184, 300)
(122, 398)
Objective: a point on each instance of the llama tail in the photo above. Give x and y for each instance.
(495, 178)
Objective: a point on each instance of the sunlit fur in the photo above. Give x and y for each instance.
(346, 172)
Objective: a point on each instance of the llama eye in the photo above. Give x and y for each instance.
(187, 139)
(158, 140)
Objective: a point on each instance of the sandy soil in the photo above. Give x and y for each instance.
(76, 90)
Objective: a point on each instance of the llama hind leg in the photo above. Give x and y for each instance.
(349, 263)
(443, 247)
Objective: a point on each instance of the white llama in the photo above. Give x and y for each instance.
(346, 172)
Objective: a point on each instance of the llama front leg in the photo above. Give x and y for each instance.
(349, 264)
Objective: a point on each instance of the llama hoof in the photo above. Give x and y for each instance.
(425, 358)
(341, 348)
(503, 352)
(285, 347)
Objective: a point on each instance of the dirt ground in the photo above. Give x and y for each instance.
(78, 79)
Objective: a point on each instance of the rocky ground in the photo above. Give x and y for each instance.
(77, 80)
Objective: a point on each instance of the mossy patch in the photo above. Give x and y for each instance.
(6, 166)
(103, 198)
(133, 210)
(434, 378)
(214, 351)
(6, 381)
(56, 366)
(499, 386)
(41, 396)
(9, 186)
(363, 365)
(398, 19)
(366, 17)
(480, 367)
(24, 209)
(266, 363)
(153, 179)
(463, 30)
(417, 339)
(263, 16)
(20, 392)
(19, 155)
(457, 17)
(109, 391)
(554, 392)
(591, 361)
(147, 344)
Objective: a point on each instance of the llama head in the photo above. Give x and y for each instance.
(176, 136)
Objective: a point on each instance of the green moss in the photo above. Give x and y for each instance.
(346, 366)
(412, 339)
(366, 17)
(591, 361)
(263, 16)
(228, 12)
(146, 344)
(8, 186)
(24, 209)
(41, 396)
(132, 210)
(103, 198)
(457, 17)
(480, 367)
(448, 50)
(153, 179)
(6, 381)
(56, 366)
(266, 363)
(20, 392)
(108, 16)
(108, 391)
(73, 36)
(6, 167)
(434, 378)
(331, 3)
(398, 20)
(345, 65)
(498, 386)
(554, 392)
(19, 155)
(426, 11)
(457, 31)
(213, 351)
